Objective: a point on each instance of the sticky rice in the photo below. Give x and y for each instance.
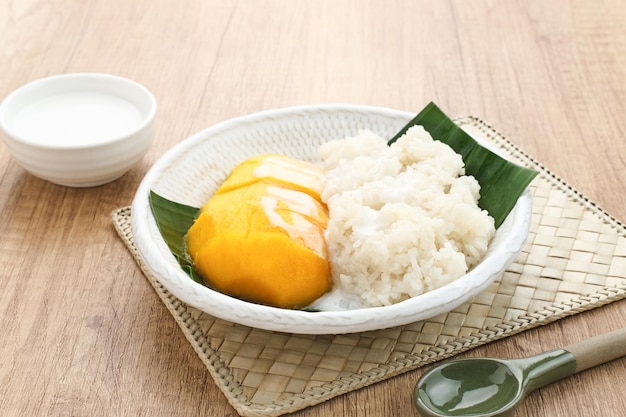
(404, 219)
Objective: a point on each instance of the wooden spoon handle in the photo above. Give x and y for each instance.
(599, 349)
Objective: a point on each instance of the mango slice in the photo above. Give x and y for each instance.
(288, 172)
(260, 237)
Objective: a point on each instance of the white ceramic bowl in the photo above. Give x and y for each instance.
(191, 172)
(78, 130)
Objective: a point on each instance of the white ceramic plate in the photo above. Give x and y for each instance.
(191, 172)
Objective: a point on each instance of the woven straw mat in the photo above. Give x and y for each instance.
(574, 260)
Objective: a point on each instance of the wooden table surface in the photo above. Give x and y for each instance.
(84, 333)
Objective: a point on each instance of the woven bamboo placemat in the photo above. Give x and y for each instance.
(574, 261)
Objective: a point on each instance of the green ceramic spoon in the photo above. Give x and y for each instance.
(484, 387)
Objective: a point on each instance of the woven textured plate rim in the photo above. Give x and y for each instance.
(269, 318)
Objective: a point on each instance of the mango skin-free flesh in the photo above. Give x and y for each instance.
(260, 237)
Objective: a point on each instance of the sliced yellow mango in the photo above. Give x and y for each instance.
(261, 239)
(281, 169)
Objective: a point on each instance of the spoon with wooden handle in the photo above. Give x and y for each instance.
(489, 387)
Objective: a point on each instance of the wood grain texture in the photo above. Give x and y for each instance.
(83, 332)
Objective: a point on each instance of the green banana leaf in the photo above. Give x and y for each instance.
(173, 220)
(501, 181)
